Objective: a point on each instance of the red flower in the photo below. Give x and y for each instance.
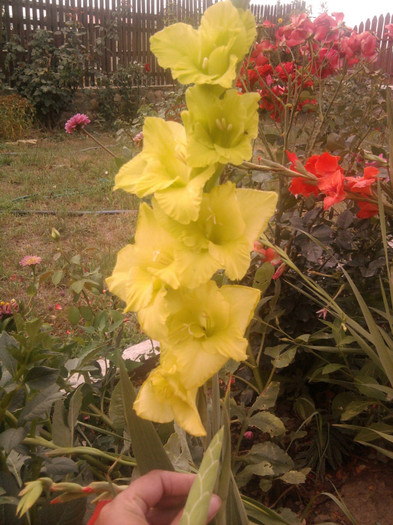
(363, 184)
(147, 68)
(332, 185)
(279, 271)
(301, 185)
(268, 23)
(267, 254)
(366, 210)
(100, 505)
(325, 28)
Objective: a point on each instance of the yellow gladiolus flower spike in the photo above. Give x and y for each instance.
(210, 54)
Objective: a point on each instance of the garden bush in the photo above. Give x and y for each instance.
(48, 74)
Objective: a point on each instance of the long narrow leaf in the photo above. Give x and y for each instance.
(384, 353)
(146, 445)
(197, 505)
(340, 503)
(263, 514)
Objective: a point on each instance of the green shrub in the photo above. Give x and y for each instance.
(16, 116)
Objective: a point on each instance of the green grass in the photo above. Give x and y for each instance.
(60, 173)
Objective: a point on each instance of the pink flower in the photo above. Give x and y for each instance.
(58, 307)
(76, 123)
(30, 260)
(248, 435)
(9, 308)
(322, 313)
(138, 140)
(389, 31)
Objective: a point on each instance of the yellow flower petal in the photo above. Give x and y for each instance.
(163, 397)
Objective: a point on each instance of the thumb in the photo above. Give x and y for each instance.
(214, 507)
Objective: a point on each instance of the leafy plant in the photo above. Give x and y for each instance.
(47, 74)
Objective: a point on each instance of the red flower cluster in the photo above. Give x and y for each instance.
(284, 66)
(332, 184)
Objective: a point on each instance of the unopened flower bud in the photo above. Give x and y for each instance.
(55, 234)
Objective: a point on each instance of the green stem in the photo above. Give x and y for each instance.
(99, 143)
(255, 369)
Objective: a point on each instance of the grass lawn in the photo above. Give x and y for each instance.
(59, 173)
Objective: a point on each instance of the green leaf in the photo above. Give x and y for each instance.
(86, 313)
(197, 505)
(281, 359)
(11, 438)
(295, 477)
(41, 377)
(61, 433)
(76, 259)
(32, 290)
(354, 408)
(385, 353)
(57, 277)
(74, 410)
(267, 459)
(77, 286)
(266, 516)
(146, 445)
(41, 403)
(332, 367)
(268, 423)
(116, 409)
(263, 277)
(7, 360)
(267, 399)
(74, 315)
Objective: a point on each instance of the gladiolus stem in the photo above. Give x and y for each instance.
(275, 166)
(99, 143)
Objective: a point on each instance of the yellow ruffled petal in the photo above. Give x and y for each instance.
(257, 208)
(163, 397)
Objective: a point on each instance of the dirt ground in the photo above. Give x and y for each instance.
(366, 488)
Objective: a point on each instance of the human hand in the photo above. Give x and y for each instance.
(157, 498)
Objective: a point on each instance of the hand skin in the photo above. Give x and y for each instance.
(157, 498)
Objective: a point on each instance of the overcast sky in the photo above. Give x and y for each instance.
(355, 11)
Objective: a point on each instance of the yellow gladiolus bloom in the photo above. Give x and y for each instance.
(229, 222)
(161, 169)
(210, 54)
(163, 397)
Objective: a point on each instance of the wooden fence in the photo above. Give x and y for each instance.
(122, 28)
(385, 57)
